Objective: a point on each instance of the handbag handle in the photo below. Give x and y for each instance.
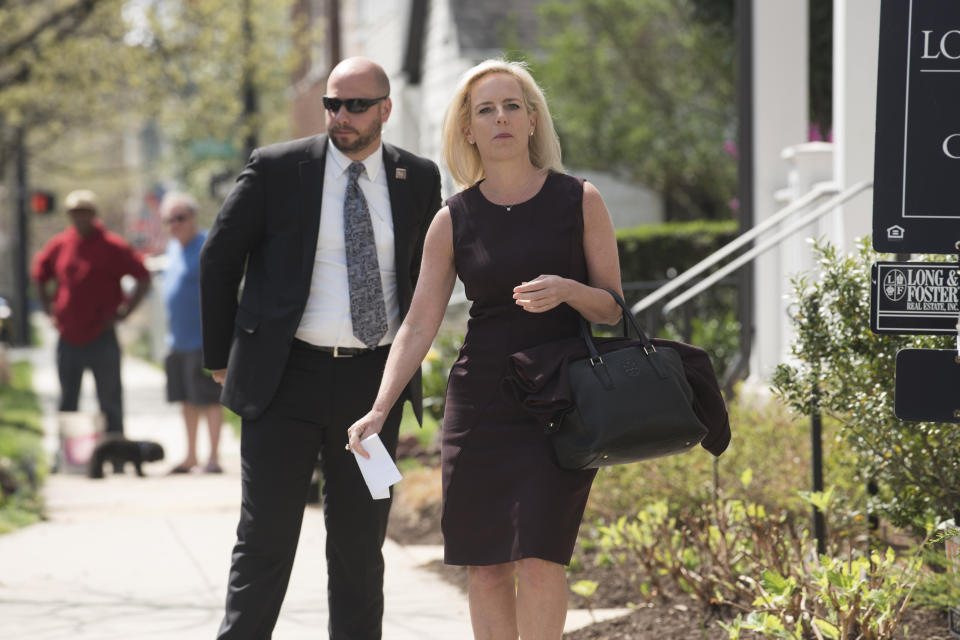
(629, 318)
(596, 361)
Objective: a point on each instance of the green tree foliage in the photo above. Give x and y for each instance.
(643, 88)
(58, 64)
(848, 372)
(97, 66)
(206, 51)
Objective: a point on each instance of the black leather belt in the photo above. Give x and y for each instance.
(336, 352)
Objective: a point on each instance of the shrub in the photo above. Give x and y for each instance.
(940, 587)
(652, 254)
(767, 462)
(660, 251)
(22, 466)
(739, 554)
(436, 369)
(847, 372)
(719, 336)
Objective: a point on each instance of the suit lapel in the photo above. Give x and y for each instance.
(311, 170)
(398, 186)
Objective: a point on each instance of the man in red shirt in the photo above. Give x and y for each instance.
(87, 262)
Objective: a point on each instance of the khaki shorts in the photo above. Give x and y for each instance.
(187, 381)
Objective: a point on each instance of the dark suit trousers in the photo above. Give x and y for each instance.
(319, 398)
(102, 357)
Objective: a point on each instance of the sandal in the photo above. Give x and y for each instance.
(212, 467)
(180, 468)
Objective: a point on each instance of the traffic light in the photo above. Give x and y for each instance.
(41, 202)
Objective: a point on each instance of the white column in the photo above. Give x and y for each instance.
(856, 36)
(780, 77)
(811, 163)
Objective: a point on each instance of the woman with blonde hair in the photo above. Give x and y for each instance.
(534, 248)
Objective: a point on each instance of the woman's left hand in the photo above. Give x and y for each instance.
(541, 294)
(365, 427)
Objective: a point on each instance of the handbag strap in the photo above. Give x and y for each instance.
(629, 320)
(596, 360)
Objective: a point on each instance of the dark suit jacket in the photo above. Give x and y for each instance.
(267, 232)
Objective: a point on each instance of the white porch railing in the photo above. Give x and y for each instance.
(818, 192)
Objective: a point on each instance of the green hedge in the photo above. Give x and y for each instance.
(22, 464)
(650, 252)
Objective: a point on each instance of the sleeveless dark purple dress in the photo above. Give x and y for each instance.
(504, 496)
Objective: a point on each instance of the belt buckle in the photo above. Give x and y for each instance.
(337, 354)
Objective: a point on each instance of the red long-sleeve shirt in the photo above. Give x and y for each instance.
(88, 270)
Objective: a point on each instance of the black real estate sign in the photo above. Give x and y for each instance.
(916, 208)
(926, 385)
(914, 297)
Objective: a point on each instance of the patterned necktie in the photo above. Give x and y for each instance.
(367, 310)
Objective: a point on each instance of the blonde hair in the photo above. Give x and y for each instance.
(462, 158)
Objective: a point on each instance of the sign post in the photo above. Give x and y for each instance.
(915, 204)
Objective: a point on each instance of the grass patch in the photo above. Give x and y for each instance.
(22, 463)
(233, 420)
(767, 462)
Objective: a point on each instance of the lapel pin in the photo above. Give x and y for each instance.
(401, 173)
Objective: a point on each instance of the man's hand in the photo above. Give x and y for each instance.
(219, 375)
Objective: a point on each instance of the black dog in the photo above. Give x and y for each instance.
(120, 451)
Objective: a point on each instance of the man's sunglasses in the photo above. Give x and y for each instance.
(353, 105)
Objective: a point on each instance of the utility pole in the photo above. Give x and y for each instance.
(333, 31)
(250, 106)
(21, 302)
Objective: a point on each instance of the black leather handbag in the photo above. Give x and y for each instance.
(629, 404)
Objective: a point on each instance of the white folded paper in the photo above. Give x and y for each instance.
(379, 470)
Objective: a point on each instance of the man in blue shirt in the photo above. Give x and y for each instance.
(187, 382)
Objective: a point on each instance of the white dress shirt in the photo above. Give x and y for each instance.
(326, 319)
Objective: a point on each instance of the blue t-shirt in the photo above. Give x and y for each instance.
(181, 294)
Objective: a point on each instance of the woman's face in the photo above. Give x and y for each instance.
(499, 125)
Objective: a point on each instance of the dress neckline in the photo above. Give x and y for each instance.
(510, 207)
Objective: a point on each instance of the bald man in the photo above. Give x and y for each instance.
(328, 232)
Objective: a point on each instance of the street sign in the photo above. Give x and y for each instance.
(914, 297)
(917, 154)
(926, 385)
(212, 148)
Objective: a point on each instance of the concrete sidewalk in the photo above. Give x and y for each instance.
(130, 557)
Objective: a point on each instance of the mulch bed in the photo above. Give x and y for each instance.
(680, 617)
(664, 617)
(673, 622)
(409, 527)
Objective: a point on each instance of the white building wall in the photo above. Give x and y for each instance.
(367, 30)
(856, 39)
(780, 71)
(811, 164)
(629, 205)
(443, 64)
